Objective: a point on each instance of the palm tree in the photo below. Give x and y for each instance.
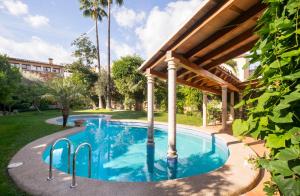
(64, 92)
(109, 2)
(95, 10)
(233, 64)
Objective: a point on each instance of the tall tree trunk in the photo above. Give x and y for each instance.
(36, 106)
(108, 58)
(100, 102)
(65, 114)
(98, 50)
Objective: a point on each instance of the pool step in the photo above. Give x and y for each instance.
(70, 146)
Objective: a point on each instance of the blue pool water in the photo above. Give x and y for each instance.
(120, 152)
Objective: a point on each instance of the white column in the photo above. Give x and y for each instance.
(204, 110)
(150, 107)
(232, 105)
(172, 152)
(224, 106)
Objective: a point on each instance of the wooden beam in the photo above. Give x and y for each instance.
(190, 78)
(184, 74)
(181, 81)
(181, 71)
(234, 53)
(160, 54)
(245, 37)
(203, 73)
(199, 80)
(249, 14)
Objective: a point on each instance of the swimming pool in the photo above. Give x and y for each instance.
(120, 152)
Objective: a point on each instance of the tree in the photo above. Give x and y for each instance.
(109, 2)
(30, 91)
(10, 78)
(273, 107)
(192, 97)
(85, 50)
(129, 82)
(64, 91)
(100, 86)
(161, 94)
(94, 9)
(86, 77)
(233, 64)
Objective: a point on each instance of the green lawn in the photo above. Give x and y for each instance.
(16, 131)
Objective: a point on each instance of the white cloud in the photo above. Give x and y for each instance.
(18, 8)
(161, 24)
(37, 21)
(14, 7)
(34, 49)
(121, 49)
(128, 18)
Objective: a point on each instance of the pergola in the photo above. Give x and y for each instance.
(218, 32)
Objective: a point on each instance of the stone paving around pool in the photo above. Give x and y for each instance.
(236, 177)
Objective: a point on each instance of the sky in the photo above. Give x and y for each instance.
(39, 29)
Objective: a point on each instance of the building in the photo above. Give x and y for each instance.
(44, 70)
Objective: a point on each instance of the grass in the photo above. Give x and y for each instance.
(158, 116)
(19, 130)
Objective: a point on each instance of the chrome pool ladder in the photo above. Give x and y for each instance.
(74, 184)
(69, 143)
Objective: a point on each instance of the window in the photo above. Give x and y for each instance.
(47, 69)
(56, 70)
(38, 68)
(26, 66)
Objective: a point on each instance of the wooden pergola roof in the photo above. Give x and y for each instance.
(218, 32)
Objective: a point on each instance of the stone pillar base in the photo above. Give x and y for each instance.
(172, 155)
(150, 142)
(172, 168)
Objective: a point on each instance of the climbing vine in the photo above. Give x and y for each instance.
(273, 108)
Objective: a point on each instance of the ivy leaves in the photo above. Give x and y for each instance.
(274, 107)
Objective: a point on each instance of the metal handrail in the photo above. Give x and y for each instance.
(74, 184)
(69, 143)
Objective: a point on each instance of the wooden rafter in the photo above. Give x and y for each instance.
(202, 72)
(184, 74)
(181, 81)
(234, 53)
(249, 14)
(181, 71)
(243, 38)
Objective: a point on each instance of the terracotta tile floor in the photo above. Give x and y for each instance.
(259, 148)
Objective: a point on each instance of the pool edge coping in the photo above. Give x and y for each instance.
(37, 184)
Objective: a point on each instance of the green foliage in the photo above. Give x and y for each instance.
(161, 94)
(64, 91)
(273, 107)
(101, 83)
(189, 97)
(85, 50)
(232, 64)
(93, 8)
(82, 74)
(213, 109)
(10, 78)
(129, 82)
(30, 92)
(85, 77)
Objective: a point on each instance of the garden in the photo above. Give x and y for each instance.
(271, 109)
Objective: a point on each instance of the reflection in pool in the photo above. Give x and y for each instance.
(120, 152)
